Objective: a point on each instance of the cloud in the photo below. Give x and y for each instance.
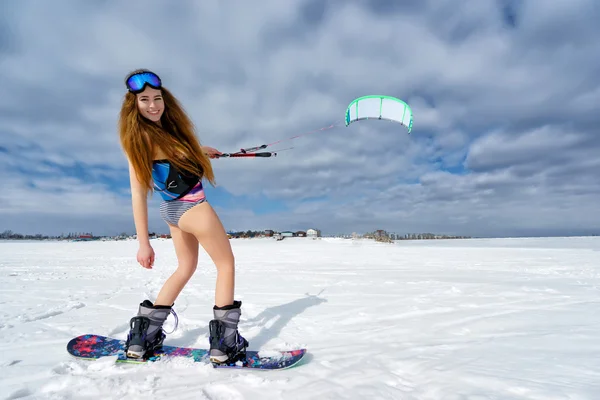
(505, 101)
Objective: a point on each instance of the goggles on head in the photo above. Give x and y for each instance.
(138, 81)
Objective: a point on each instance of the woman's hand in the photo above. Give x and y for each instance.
(211, 152)
(145, 256)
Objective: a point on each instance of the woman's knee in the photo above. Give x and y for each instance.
(187, 268)
(225, 263)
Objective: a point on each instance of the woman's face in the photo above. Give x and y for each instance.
(150, 103)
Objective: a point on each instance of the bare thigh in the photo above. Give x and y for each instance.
(186, 249)
(202, 222)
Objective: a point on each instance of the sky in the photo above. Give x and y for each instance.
(505, 97)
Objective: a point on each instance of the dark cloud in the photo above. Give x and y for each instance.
(543, 147)
(387, 8)
(509, 11)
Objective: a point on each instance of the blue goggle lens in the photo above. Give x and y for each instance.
(136, 82)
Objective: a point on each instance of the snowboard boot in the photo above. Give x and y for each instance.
(226, 344)
(146, 333)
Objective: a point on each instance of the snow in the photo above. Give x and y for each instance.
(474, 319)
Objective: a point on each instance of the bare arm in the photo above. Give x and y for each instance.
(139, 202)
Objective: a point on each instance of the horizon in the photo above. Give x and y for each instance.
(504, 143)
(347, 235)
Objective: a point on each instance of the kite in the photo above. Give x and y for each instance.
(379, 107)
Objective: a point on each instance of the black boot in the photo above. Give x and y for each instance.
(226, 344)
(146, 333)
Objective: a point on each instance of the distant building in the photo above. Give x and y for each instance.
(287, 234)
(313, 233)
(269, 233)
(83, 237)
(300, 234)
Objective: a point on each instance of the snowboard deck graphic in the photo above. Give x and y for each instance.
(92, 347)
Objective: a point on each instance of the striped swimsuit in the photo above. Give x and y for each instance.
(179, 192)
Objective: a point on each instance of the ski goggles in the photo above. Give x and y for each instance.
(137, 82)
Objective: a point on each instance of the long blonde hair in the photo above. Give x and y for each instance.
(176, 138)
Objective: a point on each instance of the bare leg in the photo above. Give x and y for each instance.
(186, 249)
(203, 223)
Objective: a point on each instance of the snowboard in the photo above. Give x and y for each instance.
(92, 347)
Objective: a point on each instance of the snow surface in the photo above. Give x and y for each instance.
(446, 319)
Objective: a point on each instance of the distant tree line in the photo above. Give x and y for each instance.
(8, 234)
(425, 236)
(381, 235)
(245, 234)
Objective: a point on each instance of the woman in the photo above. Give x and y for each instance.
(164, 155)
